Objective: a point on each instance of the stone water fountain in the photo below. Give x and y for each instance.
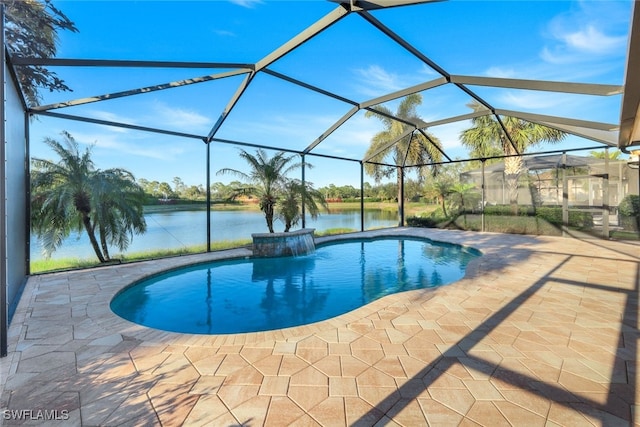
(292, 243)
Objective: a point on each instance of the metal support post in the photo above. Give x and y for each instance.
(401, 195)
(483, 195)
(304, 187)
(565, 196)
(361, 196)
(4, 309)
(606, 209)
(208, 143)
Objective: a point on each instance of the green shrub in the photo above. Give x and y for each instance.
(629, 212)
(424, 222)
(581, 220)
(507, 210)
(543, 220)
(630, 205)
(553, 214)
(522, 225)
(433, 220)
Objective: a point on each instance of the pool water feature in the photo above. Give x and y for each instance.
(261, 294)
(292, 243)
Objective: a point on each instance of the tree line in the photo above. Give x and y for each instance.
(159, 191)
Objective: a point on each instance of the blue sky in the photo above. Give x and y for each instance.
(581, 41)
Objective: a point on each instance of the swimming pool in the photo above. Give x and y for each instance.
(262, 294)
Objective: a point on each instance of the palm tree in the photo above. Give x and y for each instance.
(411, 149)
(32, 30)
(486, 138)
(611, 155)
(268, 175)
(72, 195)
(464, 195)
(441, 189)
(295, 194)
(119, 211)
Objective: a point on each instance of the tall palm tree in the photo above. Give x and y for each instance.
(295, 194)
(119, 211)
(411, 149)
(72, 195)
(486, 138)
(268, 175)
(441, 189)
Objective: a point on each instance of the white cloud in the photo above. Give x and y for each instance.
(500, 72)
(591, 39)
(126, 146)
(449, 134)
(526, 100)
(112, 117)
(179, 118)
(351, 139)
(162, 116)
(225, 33)
(378, 81)
(246, 3)
(585, 43)
(374, 80)
(589, 33)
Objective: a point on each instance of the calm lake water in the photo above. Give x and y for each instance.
(177, 229)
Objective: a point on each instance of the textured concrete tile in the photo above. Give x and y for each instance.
(234, 395)
(269, 365)
(47, 361)
(274, 386)
(206, 410)
(342, 387)
(245, 376)
(309, 376)
(252, 411)
(486, 413)
(207, 384)
(438, 414)
(329, 365)
(329, 412)
(291, 364)
(359, 413)
(382, 398)
(283, 411)
(458, 400)
(307, 397)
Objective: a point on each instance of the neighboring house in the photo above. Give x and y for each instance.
(542, 181)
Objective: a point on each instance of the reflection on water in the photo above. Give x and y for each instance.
(270, 293)
(179, 229)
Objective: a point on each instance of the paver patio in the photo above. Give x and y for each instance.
(542, 331)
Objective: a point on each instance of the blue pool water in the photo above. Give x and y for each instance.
(250, 295)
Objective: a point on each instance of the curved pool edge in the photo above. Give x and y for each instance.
(103, 315)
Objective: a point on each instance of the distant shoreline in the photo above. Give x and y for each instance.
(411, 208)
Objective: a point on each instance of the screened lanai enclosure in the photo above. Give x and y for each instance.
(173, 91)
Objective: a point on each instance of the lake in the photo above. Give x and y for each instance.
(184, 228)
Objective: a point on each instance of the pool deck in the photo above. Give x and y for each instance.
(542, 331)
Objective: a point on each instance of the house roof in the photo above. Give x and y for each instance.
(535, 163)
